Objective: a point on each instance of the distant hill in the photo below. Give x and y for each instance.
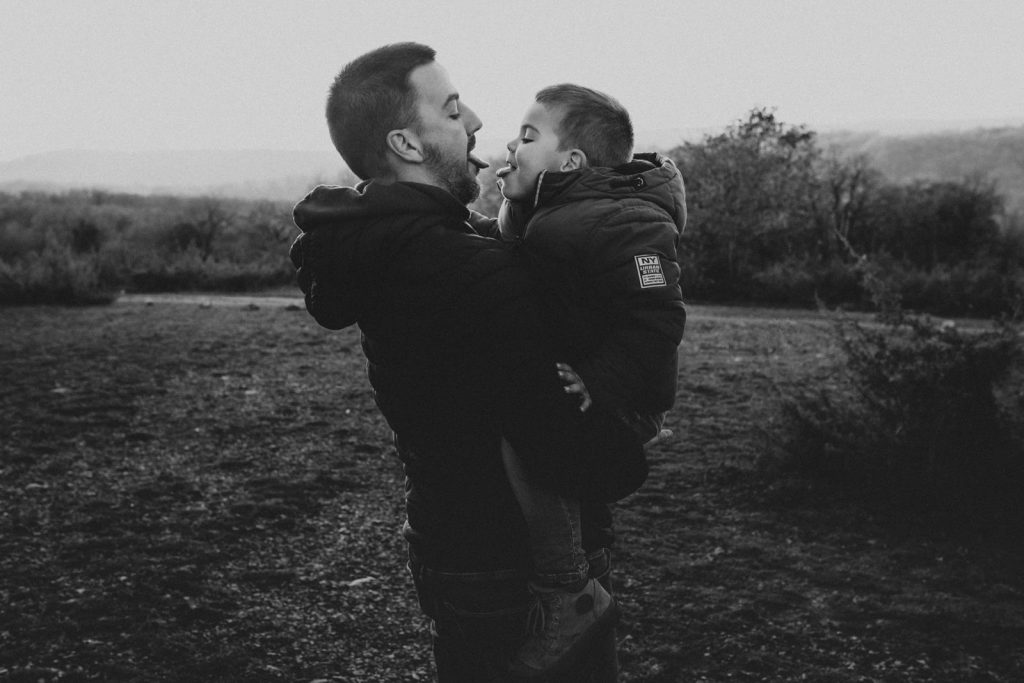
(252, 174)
(996, 154)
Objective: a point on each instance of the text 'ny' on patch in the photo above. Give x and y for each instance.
(648, 268)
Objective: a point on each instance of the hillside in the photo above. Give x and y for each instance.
(247, 174)
(996, 154)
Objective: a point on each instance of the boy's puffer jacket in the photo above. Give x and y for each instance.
(605, 242)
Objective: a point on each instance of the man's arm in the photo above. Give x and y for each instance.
(533, 410)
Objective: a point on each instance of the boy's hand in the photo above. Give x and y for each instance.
(488, 227)
(574, 385)
(512, 220)
(663, 435)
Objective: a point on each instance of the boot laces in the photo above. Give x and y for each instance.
(536, 618)
(539, 614)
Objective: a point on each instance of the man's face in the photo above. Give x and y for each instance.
(535, 149)
(446, 128)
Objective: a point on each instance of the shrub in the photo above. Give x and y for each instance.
(190, 272)
(785, 282)
(56, 276)
(927, 414)
(802, 282)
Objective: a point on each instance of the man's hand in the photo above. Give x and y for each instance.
(574, 385)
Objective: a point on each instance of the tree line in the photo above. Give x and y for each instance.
(775, 219)
(84, 247)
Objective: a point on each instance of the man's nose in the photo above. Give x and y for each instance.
(472, 121)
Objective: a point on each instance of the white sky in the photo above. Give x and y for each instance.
(226, 74)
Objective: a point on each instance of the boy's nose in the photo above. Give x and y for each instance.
(512, 145)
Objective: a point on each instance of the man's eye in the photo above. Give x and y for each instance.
(457, 115)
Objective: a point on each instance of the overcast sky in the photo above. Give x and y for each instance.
(151, 75)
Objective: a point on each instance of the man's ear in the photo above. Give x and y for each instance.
(576, 160)
(405, 144)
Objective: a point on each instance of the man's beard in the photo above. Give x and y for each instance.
(452, 173)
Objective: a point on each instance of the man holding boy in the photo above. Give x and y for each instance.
(456, 352)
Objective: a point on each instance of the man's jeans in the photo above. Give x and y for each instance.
(478, 621)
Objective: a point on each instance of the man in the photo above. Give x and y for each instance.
(456, 355)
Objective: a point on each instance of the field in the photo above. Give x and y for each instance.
(203, 492)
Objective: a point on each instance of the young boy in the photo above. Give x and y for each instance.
(601, 227)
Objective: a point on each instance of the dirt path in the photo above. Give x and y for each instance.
(206, 300)
(736, 314)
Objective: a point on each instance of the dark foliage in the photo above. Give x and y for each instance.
(777, 220)
(774, 219)
(84, 247)
(925, 414)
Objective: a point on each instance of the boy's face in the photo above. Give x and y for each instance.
(535, 149)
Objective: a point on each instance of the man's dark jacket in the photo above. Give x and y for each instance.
(456, 357)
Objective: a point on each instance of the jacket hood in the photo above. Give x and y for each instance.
(649, 176)
(348, 233)
(349, 207)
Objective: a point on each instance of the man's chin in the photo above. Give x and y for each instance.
(458, 178)
(466, 190)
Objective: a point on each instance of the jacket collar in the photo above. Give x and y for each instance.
(643, 171)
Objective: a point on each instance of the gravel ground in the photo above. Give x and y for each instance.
(202, 490)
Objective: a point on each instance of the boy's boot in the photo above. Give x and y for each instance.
(564, 622)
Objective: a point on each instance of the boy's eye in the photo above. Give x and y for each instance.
(525, 139)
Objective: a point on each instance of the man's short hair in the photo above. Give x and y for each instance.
(370, 97)
(591, 121)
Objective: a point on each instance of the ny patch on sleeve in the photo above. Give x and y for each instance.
(648, 268)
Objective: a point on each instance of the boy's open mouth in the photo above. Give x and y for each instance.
(505, 170)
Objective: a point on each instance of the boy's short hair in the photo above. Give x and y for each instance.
(591, 121)
(370, 97)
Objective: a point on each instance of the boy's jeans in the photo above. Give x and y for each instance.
(554, 525)
(478, 621)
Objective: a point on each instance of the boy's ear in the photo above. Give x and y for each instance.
(406, 145)
(575, 160)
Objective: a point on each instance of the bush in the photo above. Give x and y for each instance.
(926, 414)
(84, 247)
(800, 282)
(57, 276)
(188, 271)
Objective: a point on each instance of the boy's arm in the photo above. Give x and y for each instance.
(483, 225)
(508, 226)
(512, 220)
(634, 268)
